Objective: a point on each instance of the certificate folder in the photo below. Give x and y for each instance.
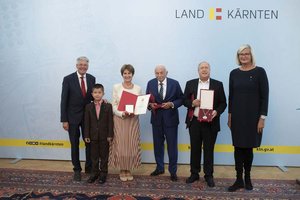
(206, 105)
(139, 102)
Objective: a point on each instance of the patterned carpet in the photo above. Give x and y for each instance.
(33, 184)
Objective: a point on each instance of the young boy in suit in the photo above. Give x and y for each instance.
(99, 133)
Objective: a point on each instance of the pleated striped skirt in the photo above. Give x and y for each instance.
(125, 149)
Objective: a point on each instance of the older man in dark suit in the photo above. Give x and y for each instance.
(203, 133)
(76, 94)
(166, 98)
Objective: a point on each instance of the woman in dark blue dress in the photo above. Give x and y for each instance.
(248, 108)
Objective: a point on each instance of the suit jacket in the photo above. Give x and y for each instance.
(174, 94)
(72, 102)
(98, 129)
(220, 104)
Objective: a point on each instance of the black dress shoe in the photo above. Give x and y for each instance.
(102, 179)
(210, 182)
(248, 184)
(92, 179)
(174, 177)
(239, 183)
(77, 176)
(192, 178)
(157, 172)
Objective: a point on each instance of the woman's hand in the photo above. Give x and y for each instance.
(260, 125)
(127, 114)
(229, 120)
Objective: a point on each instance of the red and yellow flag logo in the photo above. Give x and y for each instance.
(214, 13)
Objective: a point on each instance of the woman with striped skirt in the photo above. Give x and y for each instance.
(125, 151)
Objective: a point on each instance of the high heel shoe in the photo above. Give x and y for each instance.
(123, 176)
(128, 175)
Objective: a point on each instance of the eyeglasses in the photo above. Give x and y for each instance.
(244, 54)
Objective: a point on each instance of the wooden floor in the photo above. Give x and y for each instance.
(221, 171)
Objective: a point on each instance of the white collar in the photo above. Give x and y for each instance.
(79, 75)
(204, 82)
(164, 81)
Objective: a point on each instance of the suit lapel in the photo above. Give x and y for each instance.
(195, 88)
(89, 83)
(211, 84)
(76, 84)
(169, 85)
(102, 110)
(155, 90)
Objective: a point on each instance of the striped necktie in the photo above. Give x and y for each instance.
(161, 90)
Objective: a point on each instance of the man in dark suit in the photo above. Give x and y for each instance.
(203, 133)
(166, 97)
(76, 93)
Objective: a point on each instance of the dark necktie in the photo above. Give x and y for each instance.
(83, 91)
(161, 90)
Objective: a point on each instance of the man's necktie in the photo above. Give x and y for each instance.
(83, 90)
(161, 90)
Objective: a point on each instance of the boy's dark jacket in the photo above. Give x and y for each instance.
(98, 129)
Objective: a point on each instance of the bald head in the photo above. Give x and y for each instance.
(160, 72)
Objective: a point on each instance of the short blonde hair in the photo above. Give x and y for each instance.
(245, 46)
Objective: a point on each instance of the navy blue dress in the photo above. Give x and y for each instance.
(248, 99)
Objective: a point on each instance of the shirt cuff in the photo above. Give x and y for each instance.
(263, 116)
(172, 105)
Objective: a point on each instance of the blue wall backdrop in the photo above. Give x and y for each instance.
(40, 41)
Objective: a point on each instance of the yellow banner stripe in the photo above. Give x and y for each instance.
(211, 14)
(37, 143)
(224, 148)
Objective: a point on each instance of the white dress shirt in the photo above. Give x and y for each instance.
(84, 79)
(201, 85)
(164, 86)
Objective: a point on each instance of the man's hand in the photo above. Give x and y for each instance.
(196, 103)
(153, 105)
(109, 139)
(214, 114)
(167, 105)
(65, 125)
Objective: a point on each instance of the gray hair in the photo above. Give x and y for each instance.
(161, 66)
(202, 63)
(245, 46)
(82, 58)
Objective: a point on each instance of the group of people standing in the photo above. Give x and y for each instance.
(112, 137)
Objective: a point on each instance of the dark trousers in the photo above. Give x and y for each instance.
(201, 134)
(75, 130)
(99, 154)
(160, 133)
(243, 159)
